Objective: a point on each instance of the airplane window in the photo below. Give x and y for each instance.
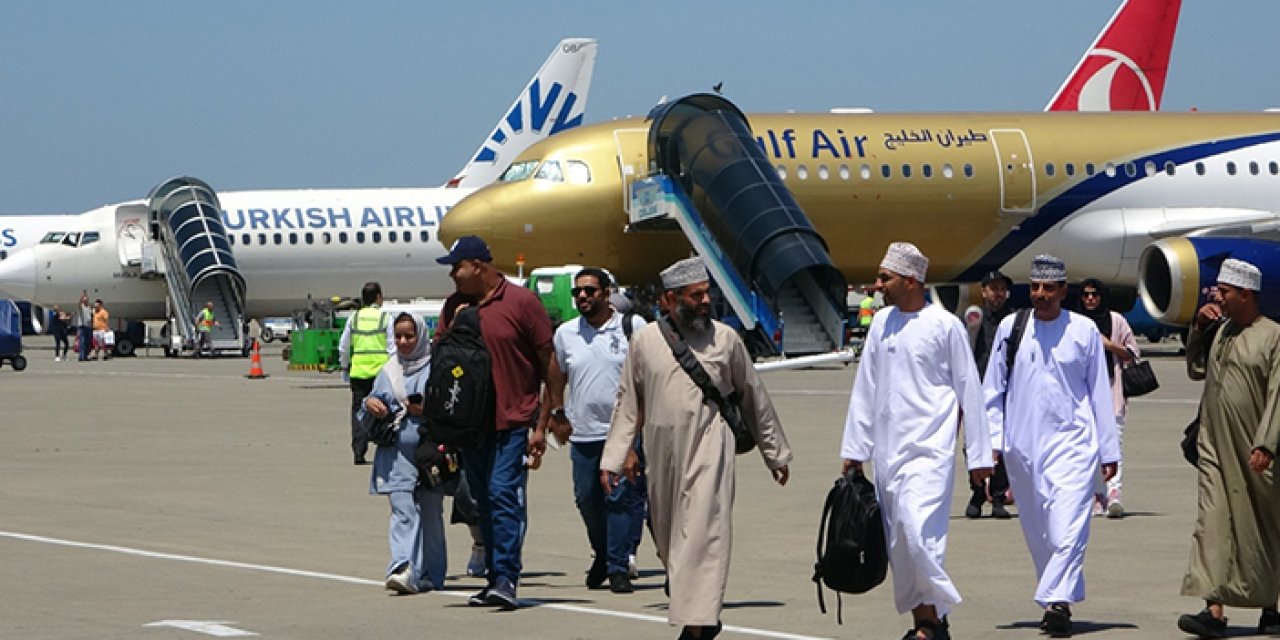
(823, 174)
(906, 170)
(360, 237)
(293, 238)
(1149, 168)
(53, 237)
(310, 238)
(1253, 168)
(519, 171)
(1169, 167)
(1231, 168)
(1089, 169)
(1110, 169)
(3, 254)
(1048, 169)
(550, 170)
(426, 237)
(1069, 169)
(865, 172)
(342, 237)
(577, 171)
(245, 239)
(1130, 169)
(262, 238)
(1199, 168)
(782, 172)
(406, 236)
(277, 238)
(968, 170)
(90, 237)
(71, 239)
(926, 170)
(376, 236)
(947, 171)
(802, 172)
(231, 240)
(391, 236)
(885, 171)
(327, 237)
(1274, 167)
(844, 172)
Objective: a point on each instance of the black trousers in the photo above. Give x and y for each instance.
(359, 438)
(999, 485)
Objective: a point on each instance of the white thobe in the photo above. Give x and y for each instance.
(915, 381)
(1054, 425)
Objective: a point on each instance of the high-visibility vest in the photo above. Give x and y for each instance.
(368, 343)
(866, 309)
(206, 320)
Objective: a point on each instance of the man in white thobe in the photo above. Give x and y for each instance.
(689, 449)
(916, 380)
(1057, 403)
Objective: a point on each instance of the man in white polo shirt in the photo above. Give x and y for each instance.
(589, 353)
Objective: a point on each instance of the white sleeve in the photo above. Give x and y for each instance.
(857, 444)
(344, 345)
(968, 389)
(996, 382)
(1104, 414)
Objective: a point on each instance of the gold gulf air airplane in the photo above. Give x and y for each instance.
(1152, 198)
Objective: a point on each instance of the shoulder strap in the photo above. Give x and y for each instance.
(626, 324)
(689, 362)
(1015, 338)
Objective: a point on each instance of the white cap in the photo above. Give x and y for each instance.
(684, 273)
(1046, 268)
(1239, 273)
(904, 259)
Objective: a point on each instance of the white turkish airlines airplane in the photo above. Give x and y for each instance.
(292, 245)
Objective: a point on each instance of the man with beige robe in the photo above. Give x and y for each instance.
(1235, 556)
(688, 447)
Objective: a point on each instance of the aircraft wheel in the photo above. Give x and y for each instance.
(124, 347)
(19, 363)
(268, 335)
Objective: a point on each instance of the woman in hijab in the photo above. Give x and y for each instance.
(416, 531)
(1121, 346)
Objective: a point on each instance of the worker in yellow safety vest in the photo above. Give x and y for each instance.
(364, 347)
(204, 329)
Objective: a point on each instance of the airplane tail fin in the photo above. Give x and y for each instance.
(553, 101)
(1125, 68)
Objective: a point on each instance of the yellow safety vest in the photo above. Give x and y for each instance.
(368, 343)
(865, 311)
(206, 321)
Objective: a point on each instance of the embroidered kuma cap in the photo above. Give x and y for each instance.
(1046, 268)
(684, 273)
(1239, 273)
(904, 259)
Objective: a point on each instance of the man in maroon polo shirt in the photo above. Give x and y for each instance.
(517, 331)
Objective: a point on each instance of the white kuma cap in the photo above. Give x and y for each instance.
(1239, 273)
(904, 259)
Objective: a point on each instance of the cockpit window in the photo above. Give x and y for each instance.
(577, 172)
(53, 237)
(72, 239)
(89, 238)
(550, 170)
(519, 171)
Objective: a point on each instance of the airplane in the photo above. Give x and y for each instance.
(298, 244)
(975, 191)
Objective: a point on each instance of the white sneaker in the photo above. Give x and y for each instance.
(57, 359)
(1115, 509)
(476, 566)
(632, 571)
(402, 581)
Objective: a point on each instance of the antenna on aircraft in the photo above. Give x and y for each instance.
(716, 87)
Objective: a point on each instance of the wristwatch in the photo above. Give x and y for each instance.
(558, 413)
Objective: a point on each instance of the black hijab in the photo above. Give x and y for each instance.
(1100, 316)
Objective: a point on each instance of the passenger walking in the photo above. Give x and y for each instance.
(589, 352)
(916, 382)
(83, 321)
(517, 333)
(104, 339)
(995, 298)
(689, 448)
(364, 346)
(1121, 347)
(58, 329)
(416, 530)
(1052, 419)
(1235, 554)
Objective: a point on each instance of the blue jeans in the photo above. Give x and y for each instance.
(496, 476)
(85, 336)
(613, 520)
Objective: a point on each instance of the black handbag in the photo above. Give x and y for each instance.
(384, 431)
(1137, 377)
(729, 407)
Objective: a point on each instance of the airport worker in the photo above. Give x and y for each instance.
(366, 343)
(1121, 346)
(416, 529)
(58, 329)
(917, 381)
(688, 446)
(1235, 554)
(516, 331)
(995, 298)
(83, 321)
(103, 339)
(205, 323)
(1052, 421)
(589, 352)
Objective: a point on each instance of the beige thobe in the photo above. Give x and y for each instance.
(690, 460)
(1235, 556)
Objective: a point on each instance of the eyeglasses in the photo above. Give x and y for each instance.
(1089, 294)
(590, 291)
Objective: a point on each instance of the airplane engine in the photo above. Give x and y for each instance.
(1174, 274)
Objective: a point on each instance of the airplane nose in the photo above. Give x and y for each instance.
(18, 275)
(470, 217)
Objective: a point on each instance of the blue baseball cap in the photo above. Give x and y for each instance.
(466, 248)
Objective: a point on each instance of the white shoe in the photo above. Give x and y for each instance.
(476, 566)
(632, 571)
(402, 581)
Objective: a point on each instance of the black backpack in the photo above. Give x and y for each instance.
(852, 558)
(459, 396)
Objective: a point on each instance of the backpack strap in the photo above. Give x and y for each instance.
(817, 566)
(1011, 351)
(626, 324)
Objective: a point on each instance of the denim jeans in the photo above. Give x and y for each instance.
(610, 518)
(496, 476)
(85, 336)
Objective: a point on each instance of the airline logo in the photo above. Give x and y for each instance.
(534, 110)
(1113, 79)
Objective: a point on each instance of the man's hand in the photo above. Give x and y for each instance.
(980, 475)
(850, 464)
(537, 442)
(1109, 470)
(609, 480)
(1208, 314)
(560, 428)
(1260, 460)
(781, 475)
(630, 466)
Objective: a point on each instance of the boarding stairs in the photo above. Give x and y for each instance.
(709, 175)
(186, 221)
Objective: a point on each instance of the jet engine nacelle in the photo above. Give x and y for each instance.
(1175, 274)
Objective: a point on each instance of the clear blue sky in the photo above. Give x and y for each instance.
(100, 101)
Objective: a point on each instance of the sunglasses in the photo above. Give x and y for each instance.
(590, 291)
(1089, 294)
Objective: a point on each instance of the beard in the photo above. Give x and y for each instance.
(692, 321)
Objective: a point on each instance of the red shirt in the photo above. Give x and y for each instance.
(514, 325)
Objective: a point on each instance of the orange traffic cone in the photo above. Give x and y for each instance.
(255, 364)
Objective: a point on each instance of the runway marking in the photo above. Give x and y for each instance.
(209, 628)
(300, 573)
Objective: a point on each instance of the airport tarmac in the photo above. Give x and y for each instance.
(161, 498)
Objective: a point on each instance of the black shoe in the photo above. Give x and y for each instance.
(1203, 624)
(1057, 621)
(1269, 621)
(503, 595)
(480, 599)
(359, 459)
(620, 583)
(666, 587)
(998, 510)
(597, 574)
(708, 633)
(973, 511)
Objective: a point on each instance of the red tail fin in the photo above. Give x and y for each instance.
(1125, 68)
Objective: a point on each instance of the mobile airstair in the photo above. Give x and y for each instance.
(197, 263)
(708, 174)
